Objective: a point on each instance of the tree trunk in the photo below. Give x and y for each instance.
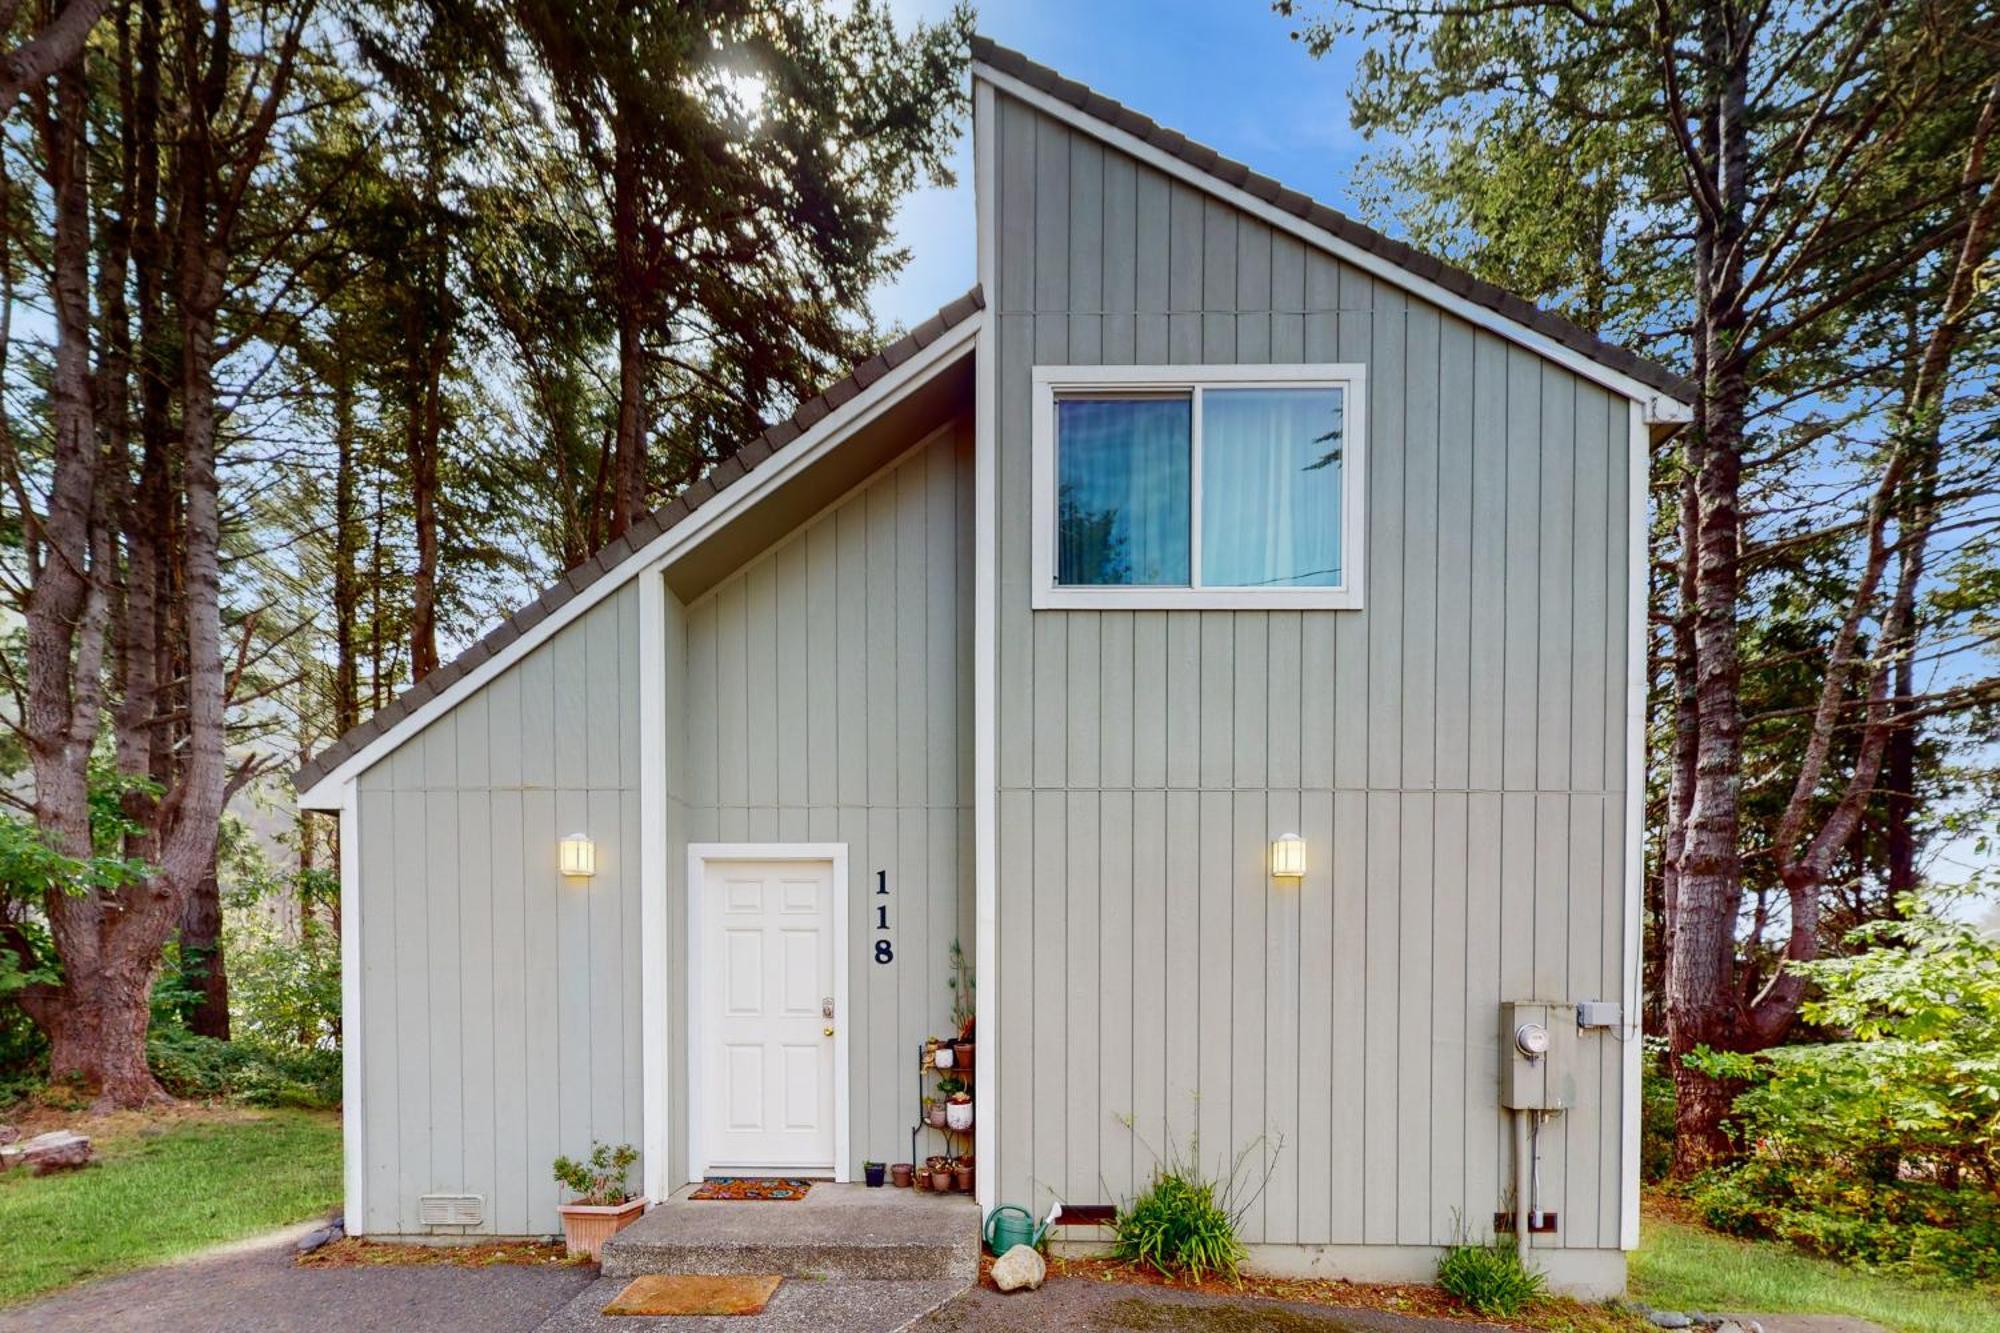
(346, 548)
(203, 966)
(1701, 1003)
(628, 472)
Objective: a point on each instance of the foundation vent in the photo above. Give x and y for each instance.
(451, 1210)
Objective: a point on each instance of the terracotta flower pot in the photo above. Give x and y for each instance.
(937, 1115)
(941, 1181)
(962, 1054)
(961, 1179)
(586, 1226)
(899, 1175)
(921, 1179)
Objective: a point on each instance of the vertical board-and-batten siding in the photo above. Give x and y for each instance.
(1453, 753)
(499, 1001)
(828, 699)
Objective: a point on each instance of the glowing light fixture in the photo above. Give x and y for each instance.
(1288, 857)
(579, 856)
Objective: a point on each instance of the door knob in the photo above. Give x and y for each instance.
(826, 1032)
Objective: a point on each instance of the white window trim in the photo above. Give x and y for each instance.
(1049, 381)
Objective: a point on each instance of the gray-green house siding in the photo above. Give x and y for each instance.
(499, 1002)
(1453, 753)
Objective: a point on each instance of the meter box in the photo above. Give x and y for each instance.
(1538, 1045)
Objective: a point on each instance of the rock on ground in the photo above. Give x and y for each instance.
(9, 1134)
(57, 1150)
(1019, 1268)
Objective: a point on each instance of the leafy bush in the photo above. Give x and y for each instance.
(1490, 1278)
(252, 1072)
(1656, 1114)
(283, 992)
(599, 1179)
(1883, 1149)
(1185, 1222)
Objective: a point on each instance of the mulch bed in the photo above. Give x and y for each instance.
(357, 1252)
(1416, 1299)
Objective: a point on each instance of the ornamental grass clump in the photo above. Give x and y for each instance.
(1490, 1278)
(1185, 1222)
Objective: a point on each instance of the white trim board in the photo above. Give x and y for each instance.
(653, 949)
(1051, 381)
(825, 435)
(1639, 459)
(985, 667)
(699, 854)
(1658, 406)
(354, 1166)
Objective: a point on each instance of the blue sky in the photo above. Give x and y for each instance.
(1223, 72)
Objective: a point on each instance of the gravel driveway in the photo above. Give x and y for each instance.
(256, 1288)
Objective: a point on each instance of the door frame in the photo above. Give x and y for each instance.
(699, 855)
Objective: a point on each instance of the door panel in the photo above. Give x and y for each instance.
(767, 970)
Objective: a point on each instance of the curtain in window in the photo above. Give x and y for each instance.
(1270, 488)
(1122, 485)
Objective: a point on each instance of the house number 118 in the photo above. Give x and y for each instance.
(885, 952)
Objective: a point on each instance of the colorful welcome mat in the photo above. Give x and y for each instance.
(670, 1295)
(751, 1187)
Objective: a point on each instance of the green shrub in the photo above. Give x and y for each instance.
(1185, 1222)
(252, 1072)
(1656, 1115)
(1881, 1150)
(598, 1180)
(1489, 1278)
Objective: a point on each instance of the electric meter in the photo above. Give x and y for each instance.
(1532, 1039)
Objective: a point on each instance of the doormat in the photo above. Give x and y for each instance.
(661, 1294)
(752, 1187)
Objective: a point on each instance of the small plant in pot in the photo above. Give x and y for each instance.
(958, 1112)
(900, 1175)
(962, 1007)
(873, 1172)
(603, 1205)
(961, 1175)
(939, 1170)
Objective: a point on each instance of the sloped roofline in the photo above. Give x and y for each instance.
(933, 344)
(1666, 392)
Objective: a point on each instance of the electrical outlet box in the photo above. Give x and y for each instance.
(1600, 1014)
(1537, 1044)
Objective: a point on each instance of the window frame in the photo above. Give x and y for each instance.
(1052, 382)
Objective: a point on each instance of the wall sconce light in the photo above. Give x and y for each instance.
(1288, 857)
(579, 856)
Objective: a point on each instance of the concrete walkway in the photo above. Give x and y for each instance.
(256, 1288)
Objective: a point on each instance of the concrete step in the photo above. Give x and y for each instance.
(836, 1231)
(798, 1306)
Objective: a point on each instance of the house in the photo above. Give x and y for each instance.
(1208, 517)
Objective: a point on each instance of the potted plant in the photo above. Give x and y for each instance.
(873, 1172)
(942, 1056)
(962, 1007)
(958, 1112)
(603, 1205)
(961, 1175)
(900, 1174)
(933, 1113)
(938, 1168)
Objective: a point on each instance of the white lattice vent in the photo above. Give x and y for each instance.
(452, 1210)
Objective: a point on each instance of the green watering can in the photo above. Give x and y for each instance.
(1008, 1226)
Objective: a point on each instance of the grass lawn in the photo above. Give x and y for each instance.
(162, 1190)
(1680, 1266)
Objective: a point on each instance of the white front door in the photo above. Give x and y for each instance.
(766, 991)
